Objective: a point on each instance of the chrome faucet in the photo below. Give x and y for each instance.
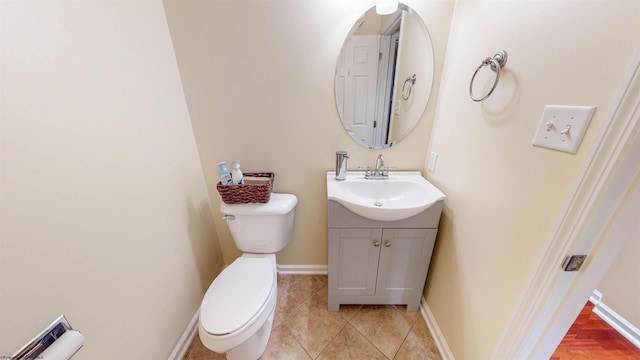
(341, 165)
(379, 164)
(380, 172)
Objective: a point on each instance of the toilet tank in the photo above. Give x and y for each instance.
(261, 228)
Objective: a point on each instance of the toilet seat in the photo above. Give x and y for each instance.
(238, 295)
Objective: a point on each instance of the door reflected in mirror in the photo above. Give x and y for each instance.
(384, 76)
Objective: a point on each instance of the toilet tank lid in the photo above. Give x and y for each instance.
(237, 295)
(278, 204)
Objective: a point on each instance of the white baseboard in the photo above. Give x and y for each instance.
(302, 269)
(596, 297)
(438, 337)
(187, 337)
(620, 324)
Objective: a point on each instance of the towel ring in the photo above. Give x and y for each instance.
(411, 81)
(495, 63)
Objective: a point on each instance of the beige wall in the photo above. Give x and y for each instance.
(620, 286)
(259, 78)
(105, 215)
(504, 195)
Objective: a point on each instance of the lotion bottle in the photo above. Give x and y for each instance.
(236, 173)
(223, 173)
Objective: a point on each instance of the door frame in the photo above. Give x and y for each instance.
(600, 215)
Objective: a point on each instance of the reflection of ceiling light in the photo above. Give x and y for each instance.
(386, 7)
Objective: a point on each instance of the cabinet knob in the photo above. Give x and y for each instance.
(376, 243)
(387, 243)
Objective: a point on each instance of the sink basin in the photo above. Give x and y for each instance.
(403, 195)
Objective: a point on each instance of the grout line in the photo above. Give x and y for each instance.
(315, 292)
(412, 324)
(333, 338)
(405, 336)
(339, 331)
(299, 344)
(367, 338)
(284, 323)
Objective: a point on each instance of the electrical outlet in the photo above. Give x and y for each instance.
(563, 127)
(433, 159)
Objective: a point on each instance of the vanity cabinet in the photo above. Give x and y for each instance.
(379, 262)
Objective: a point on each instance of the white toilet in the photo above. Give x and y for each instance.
(238, 308)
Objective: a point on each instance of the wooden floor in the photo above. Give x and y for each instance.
(591, 338)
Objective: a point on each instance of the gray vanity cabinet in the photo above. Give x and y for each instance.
(379, 262)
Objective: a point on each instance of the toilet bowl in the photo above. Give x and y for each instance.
(237, 311)
(239, 305)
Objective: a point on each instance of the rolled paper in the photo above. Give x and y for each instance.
(64, 347)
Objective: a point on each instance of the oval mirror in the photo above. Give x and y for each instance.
(384, 77)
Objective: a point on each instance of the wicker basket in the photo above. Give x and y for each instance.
(247, 193)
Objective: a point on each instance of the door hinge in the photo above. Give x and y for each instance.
(573, 262)
(375, 123)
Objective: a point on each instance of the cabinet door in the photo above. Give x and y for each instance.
(355, 258)
(404, 261)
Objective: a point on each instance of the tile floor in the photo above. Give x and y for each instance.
(304, 329)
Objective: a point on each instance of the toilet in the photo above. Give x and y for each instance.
(237, 311)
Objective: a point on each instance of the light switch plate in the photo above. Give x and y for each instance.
(563, 127)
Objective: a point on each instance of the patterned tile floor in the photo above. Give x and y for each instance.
(304, 329)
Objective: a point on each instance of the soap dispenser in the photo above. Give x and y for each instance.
(341, 165)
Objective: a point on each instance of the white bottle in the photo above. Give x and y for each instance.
(223, 172)
(236, 173)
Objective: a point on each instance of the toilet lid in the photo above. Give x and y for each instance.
(237, 295)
